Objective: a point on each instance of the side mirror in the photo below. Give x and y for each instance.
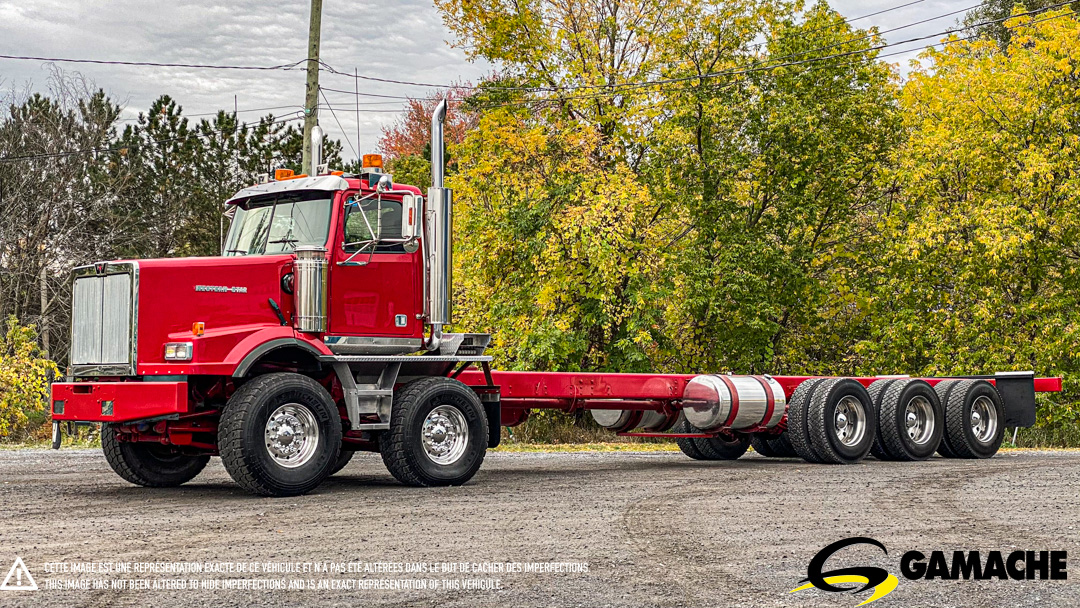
(411, 212)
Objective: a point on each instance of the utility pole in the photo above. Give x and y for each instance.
(311, 99)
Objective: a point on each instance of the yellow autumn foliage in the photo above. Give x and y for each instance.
(24, 382)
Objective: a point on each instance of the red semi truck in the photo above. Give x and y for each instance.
(319, 331)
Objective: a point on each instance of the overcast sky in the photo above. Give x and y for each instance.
(402, 40)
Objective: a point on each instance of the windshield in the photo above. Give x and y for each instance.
(279, 224)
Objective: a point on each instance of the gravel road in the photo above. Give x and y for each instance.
(655, 529)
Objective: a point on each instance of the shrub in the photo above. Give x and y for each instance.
(24, 383)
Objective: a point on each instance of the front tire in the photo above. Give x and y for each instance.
(342, 460)
(280, 435)
(438, 433)
(149, 464)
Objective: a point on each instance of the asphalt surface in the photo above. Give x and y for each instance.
(655, 529)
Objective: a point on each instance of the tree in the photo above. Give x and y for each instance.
(57, 199)
(553, 251)
(406, 144)
(982, 260)
(741, 199)
(774, 179)
(997, 11)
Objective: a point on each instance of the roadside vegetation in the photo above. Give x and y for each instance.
(646, 187)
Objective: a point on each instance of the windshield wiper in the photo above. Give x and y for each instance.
(242, 251)
(284, 241)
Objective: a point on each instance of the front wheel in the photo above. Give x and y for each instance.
(280, 435)
(149, 464)
(438, 433)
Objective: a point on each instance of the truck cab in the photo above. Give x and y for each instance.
(287, 352)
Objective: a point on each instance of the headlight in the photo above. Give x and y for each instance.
(178, 351)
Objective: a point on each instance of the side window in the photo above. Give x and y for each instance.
(370, 220)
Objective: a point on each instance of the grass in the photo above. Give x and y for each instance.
(622, 446)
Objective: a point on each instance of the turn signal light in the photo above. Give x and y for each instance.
(198, 328)
(178, 351)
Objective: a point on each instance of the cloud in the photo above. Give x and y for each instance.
(403, 40)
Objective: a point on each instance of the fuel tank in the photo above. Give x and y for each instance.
(715, 402)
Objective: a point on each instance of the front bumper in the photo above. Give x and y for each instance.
(117, 401)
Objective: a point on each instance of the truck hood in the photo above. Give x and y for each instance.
(229, 295)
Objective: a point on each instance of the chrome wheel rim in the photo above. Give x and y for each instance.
(445, 435)
(919, 420)
(292, 435)
(984, 420)
(849, 421)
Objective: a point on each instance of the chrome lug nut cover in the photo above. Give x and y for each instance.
(292, 435)
(445, 435)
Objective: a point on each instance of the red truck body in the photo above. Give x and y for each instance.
(319, 330)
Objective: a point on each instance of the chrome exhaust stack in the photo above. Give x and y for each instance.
(438, 235)
(316, 149)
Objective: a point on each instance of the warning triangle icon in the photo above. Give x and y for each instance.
(18, 578)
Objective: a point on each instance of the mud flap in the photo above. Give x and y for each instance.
(1017, 390)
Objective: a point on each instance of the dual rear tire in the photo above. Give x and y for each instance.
(831, 420)
(724, 446)
(974, 418)
(836, 420)
(280, 434)
(911, 419)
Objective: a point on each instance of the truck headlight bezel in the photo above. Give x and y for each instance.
(179, 351)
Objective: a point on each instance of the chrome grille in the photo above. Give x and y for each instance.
(102, 319)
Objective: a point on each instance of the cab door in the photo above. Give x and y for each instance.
(375, 287)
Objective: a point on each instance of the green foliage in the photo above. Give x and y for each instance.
(773, 177)
(24, 382)
(413, 169)
(553, 248)
(980, 266)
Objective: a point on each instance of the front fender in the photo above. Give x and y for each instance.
(264, 348)
(232, 351)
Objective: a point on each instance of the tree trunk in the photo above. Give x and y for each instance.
(44, 329)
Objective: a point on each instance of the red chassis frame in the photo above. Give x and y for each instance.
(149, 404)
(571, 391)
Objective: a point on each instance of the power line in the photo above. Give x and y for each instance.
(246, 111)
(155, 64)
(845, 21)
(362, 110)
(406, 97)
(343, 132)
(633, 85)
(199, 135)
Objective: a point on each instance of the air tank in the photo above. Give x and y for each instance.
(715, 402)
